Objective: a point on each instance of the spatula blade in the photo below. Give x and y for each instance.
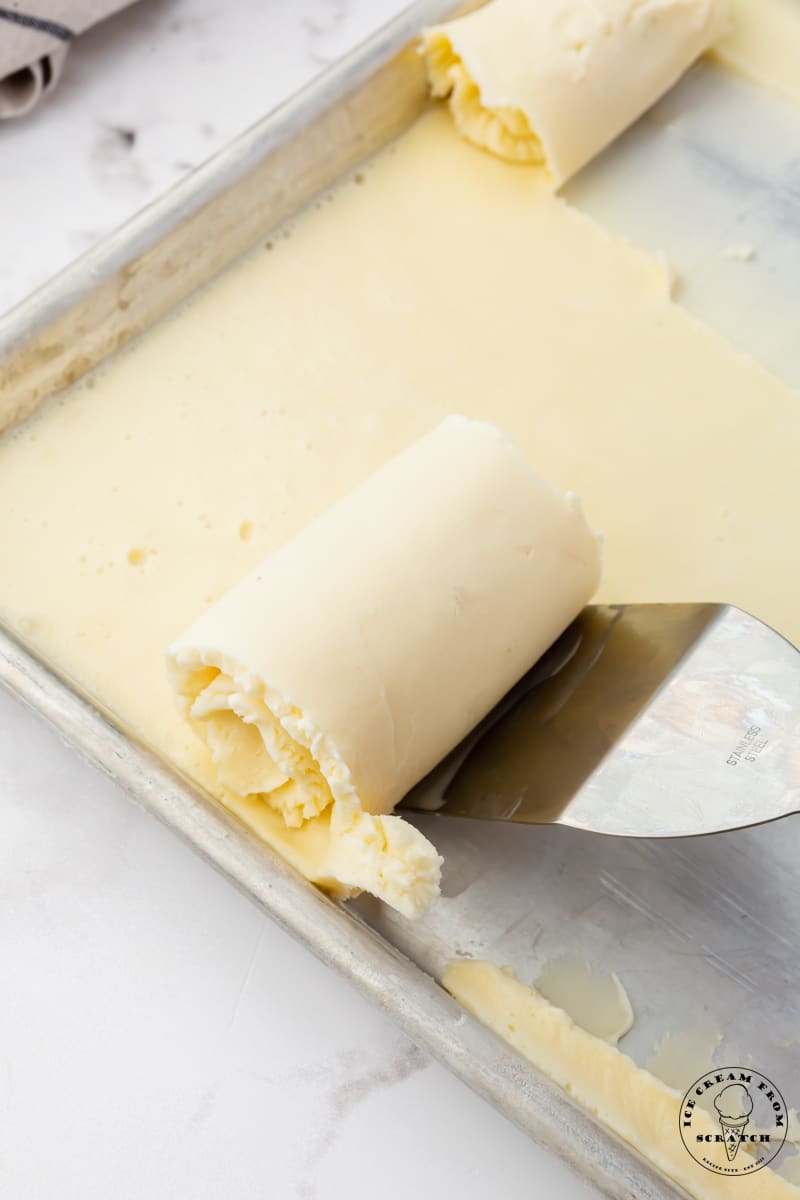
(653, 720)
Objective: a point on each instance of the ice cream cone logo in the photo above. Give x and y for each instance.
(734, 1104)
(733, 1120)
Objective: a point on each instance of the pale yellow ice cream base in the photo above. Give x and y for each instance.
(762, 43)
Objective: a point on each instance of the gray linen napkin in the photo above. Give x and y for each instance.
(35, 36)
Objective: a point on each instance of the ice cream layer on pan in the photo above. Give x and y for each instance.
(552, 82)
(345, 666)
(763, 44)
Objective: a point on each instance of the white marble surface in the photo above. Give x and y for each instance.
(159, 1037)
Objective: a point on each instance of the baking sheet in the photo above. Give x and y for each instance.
(694, 929)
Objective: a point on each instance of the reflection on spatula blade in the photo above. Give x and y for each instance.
(642, 720)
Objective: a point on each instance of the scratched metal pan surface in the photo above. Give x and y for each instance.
(697, 928)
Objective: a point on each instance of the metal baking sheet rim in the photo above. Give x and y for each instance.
(336, 935)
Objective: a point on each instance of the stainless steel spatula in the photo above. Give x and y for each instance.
(642, 720)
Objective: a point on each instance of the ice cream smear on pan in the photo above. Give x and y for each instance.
(638, 1106)
(336, 674)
